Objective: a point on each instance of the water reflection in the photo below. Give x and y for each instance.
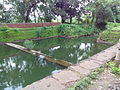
(73, 50)
(18, 69)
(21, 70)
(42, 60)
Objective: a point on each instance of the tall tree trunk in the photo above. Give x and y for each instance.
(70, 20)
(3, 18)
(78, 22)
(30, 7)
(35, 19)
(27, 17)
(93, 18)
(63, 20)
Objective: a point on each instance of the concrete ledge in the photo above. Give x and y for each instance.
(48, 83)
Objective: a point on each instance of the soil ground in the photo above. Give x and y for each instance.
(105, 81)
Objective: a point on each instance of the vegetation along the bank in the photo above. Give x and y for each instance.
(12, 34)
(111, 34)
(86, 81)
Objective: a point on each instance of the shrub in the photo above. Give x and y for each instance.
(115, 70)
(28, 44)
(61, 30)
(38, 34)
(3, 28)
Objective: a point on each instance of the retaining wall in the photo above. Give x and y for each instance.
(68, 77)
(30, 25)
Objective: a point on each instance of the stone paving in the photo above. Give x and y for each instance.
(67, 77)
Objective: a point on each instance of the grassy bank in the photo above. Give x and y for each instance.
(13, 34)
(112, 34)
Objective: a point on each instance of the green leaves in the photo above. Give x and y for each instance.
(28, 44)
(81, 84)
(115, 70)
(112, 34)
(84, 82)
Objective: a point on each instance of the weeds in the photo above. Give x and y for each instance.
(84, 82)
(113, 69)
(112, 34)
(28, 44)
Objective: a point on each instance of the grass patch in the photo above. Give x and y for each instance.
(13, 34)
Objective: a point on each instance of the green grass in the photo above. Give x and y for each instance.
(13, 34)
(113, 68)
(112, 34)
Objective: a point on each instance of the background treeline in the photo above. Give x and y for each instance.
(96, 12)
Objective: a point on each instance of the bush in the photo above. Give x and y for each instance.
(115, 70)
(112, 34)
(38, 34)
(61, 30)
(28, 44)
(3, 28)
(111, 24)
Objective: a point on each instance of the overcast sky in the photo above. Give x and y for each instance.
(6, 6)
(1, 1)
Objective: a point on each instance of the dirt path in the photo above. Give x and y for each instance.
(105, 81)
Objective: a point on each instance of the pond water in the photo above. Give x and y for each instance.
(18, 69)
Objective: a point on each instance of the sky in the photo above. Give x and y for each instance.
(0, 1)
(7, 6)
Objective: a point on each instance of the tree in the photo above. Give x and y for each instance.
(46, 9)
(67, 9)
(5, 16)
(24, 8)
(1, 11)
(102, 11)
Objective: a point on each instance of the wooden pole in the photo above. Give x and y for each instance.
(38, 53)
(117, 58)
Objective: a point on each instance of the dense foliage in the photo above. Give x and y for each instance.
(112, 34)
(63, 30)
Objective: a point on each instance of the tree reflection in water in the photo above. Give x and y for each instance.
(19, 71)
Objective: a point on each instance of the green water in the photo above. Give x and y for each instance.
(18, 69)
